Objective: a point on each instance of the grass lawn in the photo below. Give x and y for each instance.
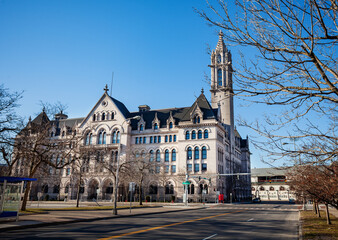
(317, 228)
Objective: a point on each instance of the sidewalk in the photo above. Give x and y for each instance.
(53, 217)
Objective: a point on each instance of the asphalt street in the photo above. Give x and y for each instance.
(259, 221)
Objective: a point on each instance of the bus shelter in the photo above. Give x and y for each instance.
(11, 189)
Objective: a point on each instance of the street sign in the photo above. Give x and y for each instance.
(187, 182)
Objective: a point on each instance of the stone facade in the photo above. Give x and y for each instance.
(200, 141)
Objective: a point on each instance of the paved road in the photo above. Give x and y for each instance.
(266, 221)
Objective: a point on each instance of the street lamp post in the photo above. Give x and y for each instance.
(118, 163)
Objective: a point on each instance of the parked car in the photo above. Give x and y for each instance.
(292, 201)
(256, 200)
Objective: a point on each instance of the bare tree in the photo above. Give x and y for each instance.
(294, 67)
(317, 182)
(10, 125)
(35, 149)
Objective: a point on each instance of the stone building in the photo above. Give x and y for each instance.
(200, 141)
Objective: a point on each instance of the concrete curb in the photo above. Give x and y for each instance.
(90, 219)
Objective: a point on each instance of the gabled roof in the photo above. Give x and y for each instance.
(123, 109)
(204, 105)
(41, 119)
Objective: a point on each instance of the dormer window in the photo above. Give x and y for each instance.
(170, 125)
(141, 127)
(156, 126)
(197, 119)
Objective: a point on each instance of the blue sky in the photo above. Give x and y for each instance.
(66, 51)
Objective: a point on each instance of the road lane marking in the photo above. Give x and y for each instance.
(250, 220)
(210, 236)
(167, 225)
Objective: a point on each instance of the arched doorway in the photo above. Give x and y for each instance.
(107, 189)
(93, 186)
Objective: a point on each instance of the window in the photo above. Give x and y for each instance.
(192, 189)
(152, 189)
(104, 138)
(56, 189)
(144, 140)
(103, 117)
(174, 138)
(170, 138)
(197, 153)
(155, 126)
(100, 138)
(166, 138)
(189, 153)
(88, 139)
(204, 153)
(157, 169)
(206, 134)
(169, 188)
(112, 116)
(166, 155)
(199, 135)
(282, 188)
(170, 125)
(140, 140)
(151, 139)
(158, 156)
(261, 188)
(94, 118)
(193, 134)
(155, 139)
(141, 127)
(196, 167)
(116, 136)
(197, 119)
(159, 139)
(187, 135)
(189, 167)
(136, 140)
(67, 171)
(219, 77)
(151, 156)
(173, 155)
(67, 188)
(204, 167)
(166, 169)
(173, 168)
(272, 189)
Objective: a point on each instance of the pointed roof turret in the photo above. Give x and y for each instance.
(220, 43)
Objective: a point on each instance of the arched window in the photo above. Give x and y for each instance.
(87, 139)
(189, 153)
(173, 155)
(112, 116)
(155, 126)
(151, 156)
(56, 189)
(272, 189)
(170, 138)
(158, 156)
(103, 117)
(166, 155)
(166, 138)
(206, 134)
(219, 77)
(253, 189)
(187, 135)
(118, 136)
(282, 188)
(261, 188)
(206, 188)
(90, 139)
(170, 125)
(102, 137)
(94, 118)
(141, 127)
(152, 189)
(219, 58)
(199, 134)
(67, 188)
(204, 153)
(192, 189)
(193, 134)
(44, 188)
(197, 153)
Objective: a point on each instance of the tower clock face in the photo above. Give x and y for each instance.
(219, 59)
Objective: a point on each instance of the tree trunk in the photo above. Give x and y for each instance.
(140, 195)
(328, 220)
(25, 196)
(78, 195)
(318, 209)
(314, 207)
